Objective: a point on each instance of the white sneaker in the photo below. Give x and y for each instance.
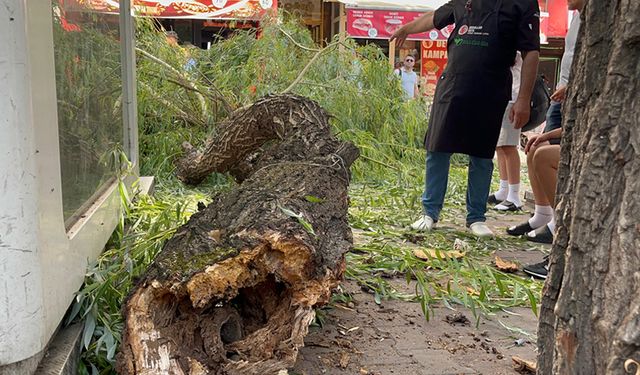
(480, 229)
(425, 223)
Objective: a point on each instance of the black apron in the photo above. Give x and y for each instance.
(473, 91)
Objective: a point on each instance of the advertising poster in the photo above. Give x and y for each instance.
(381, 24)
(434, 60)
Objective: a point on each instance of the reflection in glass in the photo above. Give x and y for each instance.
(89, 87)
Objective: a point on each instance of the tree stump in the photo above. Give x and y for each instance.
(234, 291)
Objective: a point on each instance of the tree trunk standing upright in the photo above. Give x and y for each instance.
(590, 315)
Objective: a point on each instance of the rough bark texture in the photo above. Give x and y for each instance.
(233, 291)
(590, 316)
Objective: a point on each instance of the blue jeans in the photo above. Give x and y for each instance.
(478, 185)
(554, 116)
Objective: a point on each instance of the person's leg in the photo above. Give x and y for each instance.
(545, 166)
(536, 184)
(512, 166)
(478, 185)
(546, 162)
(543, 212)
(503, 191)
(436, 179)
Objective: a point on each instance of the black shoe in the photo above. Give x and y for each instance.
(520, 230)
(541, 235)
(492, 199)
(539, 270)
(507, 206)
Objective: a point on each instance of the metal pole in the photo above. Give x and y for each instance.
(129, 99)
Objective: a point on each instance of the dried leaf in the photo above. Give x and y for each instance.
(428, 254)
(345, 358)
(505, 265)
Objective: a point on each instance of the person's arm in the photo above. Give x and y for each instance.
(535, 140)
(521, 109)
(528, 43)
(424, 23)
(559, 94)
(416, 91)
(439, 18)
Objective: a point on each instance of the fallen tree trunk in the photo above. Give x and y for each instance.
(233, 291)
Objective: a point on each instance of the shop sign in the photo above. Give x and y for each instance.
(381, 24)
(192, 9)
(434, 60)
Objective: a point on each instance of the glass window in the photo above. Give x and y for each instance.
(89, 94)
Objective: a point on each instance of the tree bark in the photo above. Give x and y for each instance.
(233, 291)
(590, 315)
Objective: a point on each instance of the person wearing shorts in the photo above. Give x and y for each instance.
(507, 198)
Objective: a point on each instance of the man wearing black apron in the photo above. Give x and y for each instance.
(473, 92)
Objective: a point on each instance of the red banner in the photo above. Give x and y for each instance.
(193, 9)
(553, 18)
(380, 24)
(434, 60)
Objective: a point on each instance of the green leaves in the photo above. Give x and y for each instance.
(379, 211)
(89, 328)
(300, 217)
(150, 222)
(313, 199)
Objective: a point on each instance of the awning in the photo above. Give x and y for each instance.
(405, 5)
(192, 9)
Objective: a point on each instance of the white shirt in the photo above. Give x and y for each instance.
(516, 71)
(408, 81)
(569, 47)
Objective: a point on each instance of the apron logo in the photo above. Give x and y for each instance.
(463, 29)
(470, 42)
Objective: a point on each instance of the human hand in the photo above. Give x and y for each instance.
(560, 94)
(534, 141)
(520, 112)
(399, 36)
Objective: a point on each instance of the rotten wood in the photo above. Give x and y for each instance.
(523, 366)
(234, 291)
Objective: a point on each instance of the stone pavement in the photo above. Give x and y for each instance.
(364, 338)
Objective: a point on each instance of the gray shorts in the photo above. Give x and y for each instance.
(509, 136)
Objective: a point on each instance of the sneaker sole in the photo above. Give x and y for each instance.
(535, 274)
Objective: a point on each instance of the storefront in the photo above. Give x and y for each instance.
(373, 21)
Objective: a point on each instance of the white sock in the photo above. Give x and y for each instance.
(552, 224)
(514, 194)
(542, 215)
(502, 193)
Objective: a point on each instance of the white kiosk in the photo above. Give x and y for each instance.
(67, 105)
